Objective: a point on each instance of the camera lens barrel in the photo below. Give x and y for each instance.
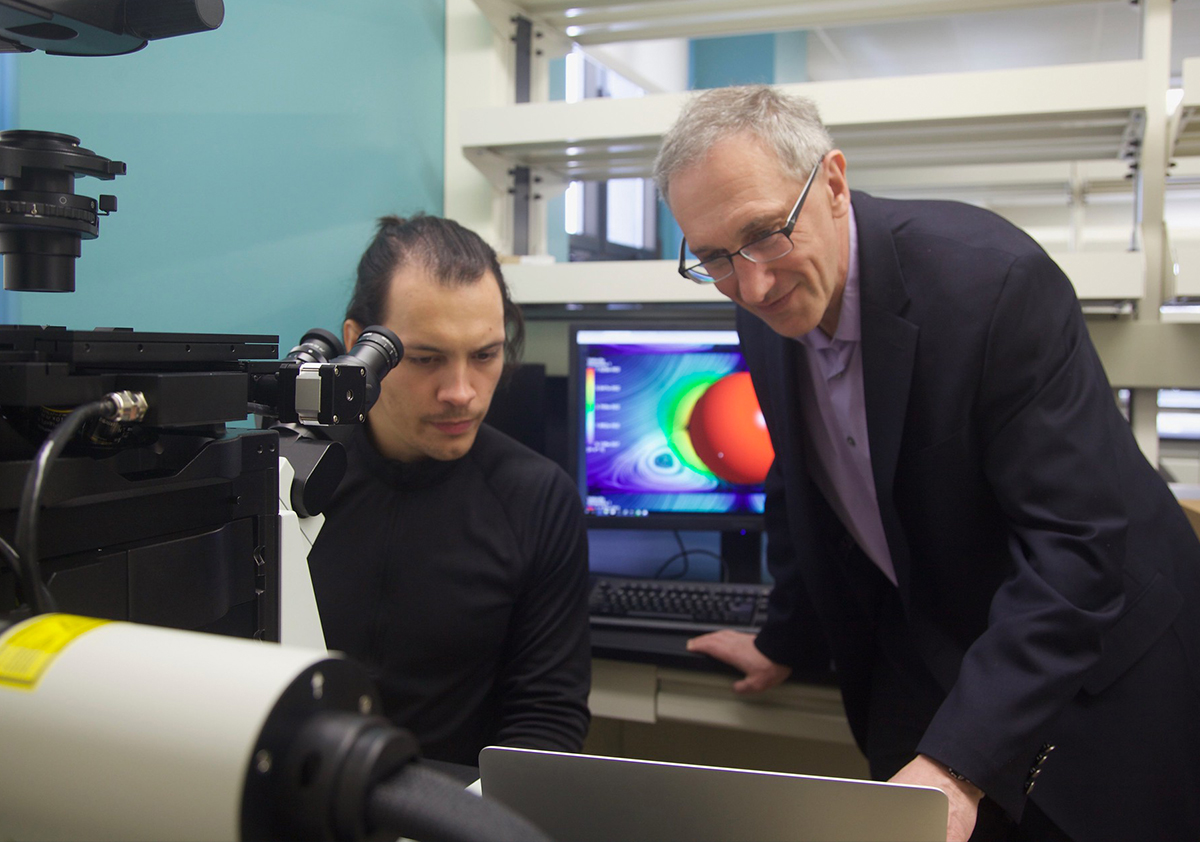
(41, 218)
(379, 349)
(317, 346)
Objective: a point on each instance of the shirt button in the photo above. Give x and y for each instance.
(850, 441)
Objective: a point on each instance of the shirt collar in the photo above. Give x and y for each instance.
(418, 474)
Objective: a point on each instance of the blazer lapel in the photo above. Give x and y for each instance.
(784, 358)
(889, 344)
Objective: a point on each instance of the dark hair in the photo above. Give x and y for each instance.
(454, 255)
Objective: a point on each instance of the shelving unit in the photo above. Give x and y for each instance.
(1038, 123)
(1074, 131)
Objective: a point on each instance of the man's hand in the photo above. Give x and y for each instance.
(964, 796)
(738, 650)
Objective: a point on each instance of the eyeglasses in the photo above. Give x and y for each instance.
(763, 250)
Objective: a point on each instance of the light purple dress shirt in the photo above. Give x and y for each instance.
(835, 419)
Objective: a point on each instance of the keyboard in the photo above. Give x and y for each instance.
(680, 606)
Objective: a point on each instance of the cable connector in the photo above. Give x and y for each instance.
(125, 406)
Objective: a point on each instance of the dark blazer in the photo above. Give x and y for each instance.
(1039, 556)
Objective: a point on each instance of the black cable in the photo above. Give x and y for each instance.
(685, 554)
(14, 562)
(8, 613)
(10, 555)
(31, 500)
(662, 568)
(418, 803)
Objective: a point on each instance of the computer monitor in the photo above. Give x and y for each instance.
(667, 434)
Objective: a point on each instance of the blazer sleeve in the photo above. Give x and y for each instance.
(792, 634)
(1058, 457)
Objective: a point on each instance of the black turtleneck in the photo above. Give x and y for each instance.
(462, 586)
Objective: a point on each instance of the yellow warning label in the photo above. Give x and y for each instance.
(27, 650)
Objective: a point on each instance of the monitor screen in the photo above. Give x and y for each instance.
(666, 429)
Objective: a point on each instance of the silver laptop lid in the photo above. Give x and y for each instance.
(578, 797)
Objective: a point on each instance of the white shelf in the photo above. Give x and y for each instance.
(1060, 113)
(609, 21)
(1186, 121)
(604, 282)
(1060, 176)
(1187, 282)
(1176, 314)
(1102, 276)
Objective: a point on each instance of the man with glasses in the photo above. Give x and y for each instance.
(958, 515)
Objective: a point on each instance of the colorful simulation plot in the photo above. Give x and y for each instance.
(675, 409)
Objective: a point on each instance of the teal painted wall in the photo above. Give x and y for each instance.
(748, 59)
(8, 91)
(557, 241)
(735, 60)
(259, 157)
(791, 56)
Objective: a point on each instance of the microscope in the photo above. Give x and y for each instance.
(162, 669)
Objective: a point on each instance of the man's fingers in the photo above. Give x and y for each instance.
(764, 678)
(738, 650)
(754, 683)
(723, 645)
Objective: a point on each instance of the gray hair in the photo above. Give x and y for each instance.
(788, 125)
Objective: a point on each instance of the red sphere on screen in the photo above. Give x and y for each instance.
(728, 431)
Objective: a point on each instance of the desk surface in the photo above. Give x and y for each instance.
(669, 649)
(648, 693)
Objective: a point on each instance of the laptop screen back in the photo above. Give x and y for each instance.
(583, 797)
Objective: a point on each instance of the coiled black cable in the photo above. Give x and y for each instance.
(10, 556)
(686, 554)
(31, 500)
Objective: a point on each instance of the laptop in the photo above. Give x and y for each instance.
(579, 797)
